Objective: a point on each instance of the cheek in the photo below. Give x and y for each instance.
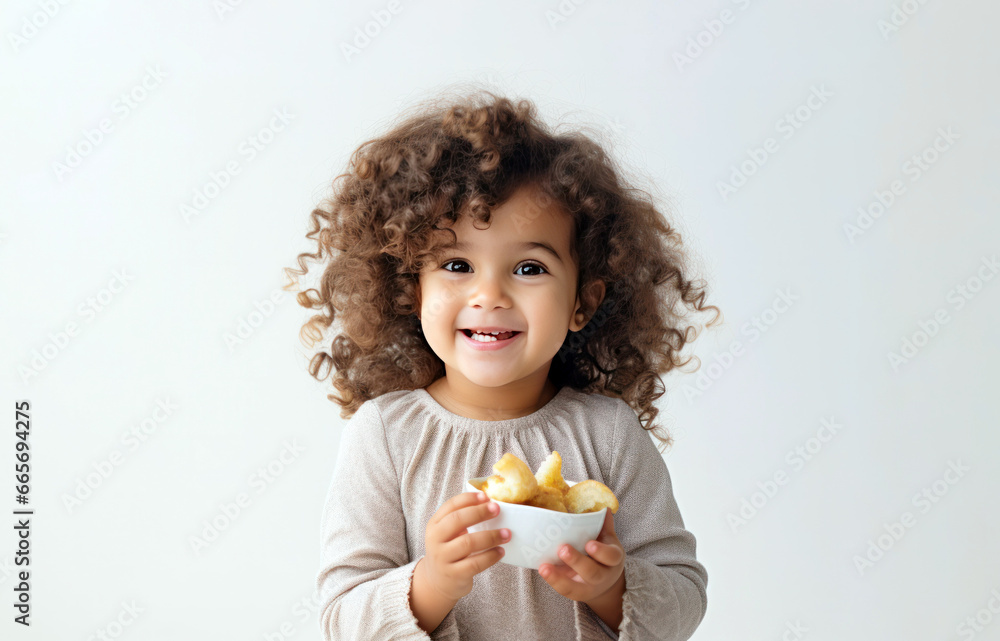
(438, 309)
(549, 315)
(551, 304)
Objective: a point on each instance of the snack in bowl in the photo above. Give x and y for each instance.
(548, 498)
(549, 473)
(590, 496)
(553, 514)
(513, 481)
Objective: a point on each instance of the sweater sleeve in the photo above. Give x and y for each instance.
(365, 570)
(665, 585)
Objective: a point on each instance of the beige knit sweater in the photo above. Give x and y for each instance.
(403, 454)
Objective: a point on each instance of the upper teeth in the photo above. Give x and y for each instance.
(485, 337)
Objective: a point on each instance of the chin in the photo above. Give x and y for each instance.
(489, 381)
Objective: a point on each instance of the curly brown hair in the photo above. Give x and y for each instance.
(465, 156)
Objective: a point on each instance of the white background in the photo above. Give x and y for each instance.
(681, 127)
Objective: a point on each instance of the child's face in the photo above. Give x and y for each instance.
(493, 280)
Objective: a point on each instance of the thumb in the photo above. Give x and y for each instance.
(608, 529)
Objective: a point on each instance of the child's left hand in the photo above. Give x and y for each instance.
(585, 578)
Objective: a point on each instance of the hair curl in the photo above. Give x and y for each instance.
(465, 156)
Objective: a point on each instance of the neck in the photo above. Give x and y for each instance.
(462, 397)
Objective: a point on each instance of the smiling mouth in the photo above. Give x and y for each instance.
(489, 338)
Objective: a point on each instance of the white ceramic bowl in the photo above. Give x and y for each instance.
(537, 533)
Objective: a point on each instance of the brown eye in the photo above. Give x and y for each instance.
(534, 266)
(452, 262)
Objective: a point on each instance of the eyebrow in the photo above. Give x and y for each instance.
(529, 244)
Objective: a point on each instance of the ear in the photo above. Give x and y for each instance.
(592, 295)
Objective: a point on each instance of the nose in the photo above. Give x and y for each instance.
(488, 293)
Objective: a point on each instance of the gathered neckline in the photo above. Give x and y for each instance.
(538, 417)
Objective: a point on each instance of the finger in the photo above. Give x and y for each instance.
(456, 502)
(455, 524)
(605, 553)
(607, 534)
(563, 579)
(472, 542)
(608, 528)
(566, 571)
(589, 569)
(476, 563)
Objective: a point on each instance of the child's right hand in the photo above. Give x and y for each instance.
(451, 560)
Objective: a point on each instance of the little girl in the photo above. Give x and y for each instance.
(496, 287)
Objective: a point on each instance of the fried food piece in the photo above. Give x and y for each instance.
(513, 481)
(546, 489)
(590, 496)
(549, 474)
(548, 498)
